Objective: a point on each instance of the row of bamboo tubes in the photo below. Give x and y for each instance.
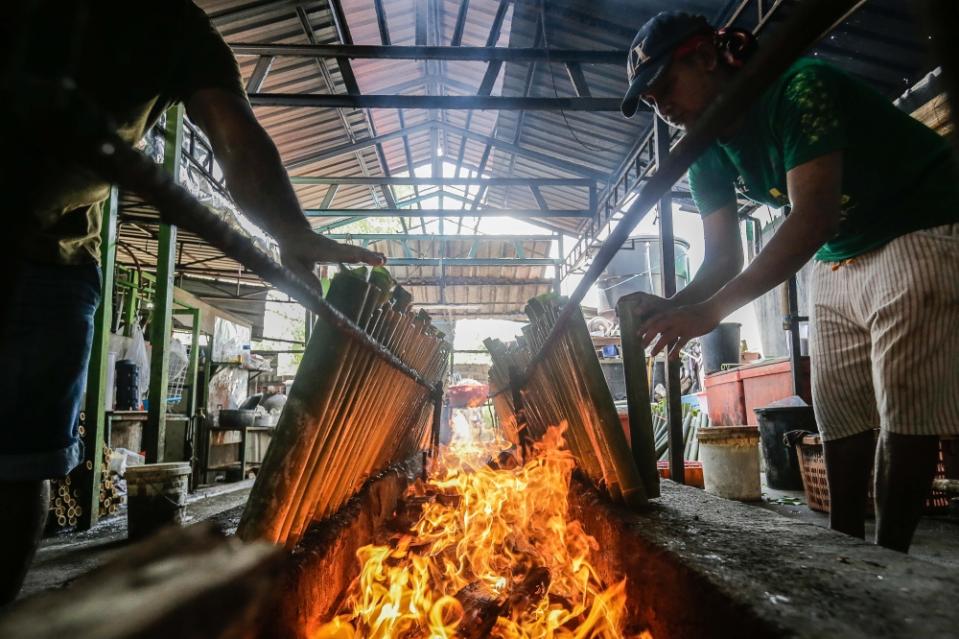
(65, 507)
(350, 413)
(566, 384)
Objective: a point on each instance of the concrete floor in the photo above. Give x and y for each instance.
(936, 539)
(65, 557)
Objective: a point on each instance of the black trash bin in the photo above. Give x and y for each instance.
(721, 346)
(779, 426)
(127, 385)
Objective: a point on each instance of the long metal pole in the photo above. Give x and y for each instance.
(674, 404)
(119, 162)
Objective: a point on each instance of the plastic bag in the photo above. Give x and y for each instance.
(178, 361)
(121, 459)
(137, 352)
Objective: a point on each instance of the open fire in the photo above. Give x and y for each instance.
(491, 553)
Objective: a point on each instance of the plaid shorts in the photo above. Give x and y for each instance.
(884, 338)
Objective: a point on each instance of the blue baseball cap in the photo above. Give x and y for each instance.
(650, 53)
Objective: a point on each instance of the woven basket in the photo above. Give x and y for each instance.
(812, 466)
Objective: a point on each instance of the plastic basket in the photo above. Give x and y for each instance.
(812, 466)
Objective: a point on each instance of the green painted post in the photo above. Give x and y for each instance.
(162, 322)
(130, 307)
(190, 384)
(95, 423)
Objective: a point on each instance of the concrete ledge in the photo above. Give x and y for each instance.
(701, 566)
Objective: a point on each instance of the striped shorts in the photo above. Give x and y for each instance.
(884, 338)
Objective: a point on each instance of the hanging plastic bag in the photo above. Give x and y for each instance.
(137, 352)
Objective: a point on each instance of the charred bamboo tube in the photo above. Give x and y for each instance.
(344, 431)
(642, 436)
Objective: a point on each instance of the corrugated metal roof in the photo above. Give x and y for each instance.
(879, 43)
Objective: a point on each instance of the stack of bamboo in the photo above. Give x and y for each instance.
(350, 412)
(566, 384)
(693, 420)
(110, 496)
(65, 506)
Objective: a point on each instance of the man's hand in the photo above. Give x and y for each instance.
(646, 306)
(675, 327)
(301, 252)
(260, 186)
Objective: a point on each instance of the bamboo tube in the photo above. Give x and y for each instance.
(635, 369)
(344, 444)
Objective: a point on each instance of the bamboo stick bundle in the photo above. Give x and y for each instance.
(354, 412)
(348, 293)
(603, 424)
(550, 387)
(566, 384)
(316, 390)
(346, 456)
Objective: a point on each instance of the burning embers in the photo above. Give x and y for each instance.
(492, 553)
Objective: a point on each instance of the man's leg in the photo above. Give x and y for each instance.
(915, 311)
(848, 462)
(842, 390)
(46, 332)
(905, 467)
(22, 520)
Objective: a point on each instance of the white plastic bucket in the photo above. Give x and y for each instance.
(156, 496)
(730, 456)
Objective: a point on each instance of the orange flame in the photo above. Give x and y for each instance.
(488, 529)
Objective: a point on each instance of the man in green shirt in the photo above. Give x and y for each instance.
(132, 60)
(884, 232)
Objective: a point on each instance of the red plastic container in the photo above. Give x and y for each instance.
(733, 395)
(725, 402)
(692, 471)
(770, 381)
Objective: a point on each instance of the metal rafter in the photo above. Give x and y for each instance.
(486, 212)
(307, 27)
(527, 86)
(441, 181)
(433, 102)
(357, 145)
(482, 54)
(376, 237)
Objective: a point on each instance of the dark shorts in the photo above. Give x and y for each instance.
(46, 333)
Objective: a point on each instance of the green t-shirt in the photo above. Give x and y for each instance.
(132, 58)
(898, 175)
